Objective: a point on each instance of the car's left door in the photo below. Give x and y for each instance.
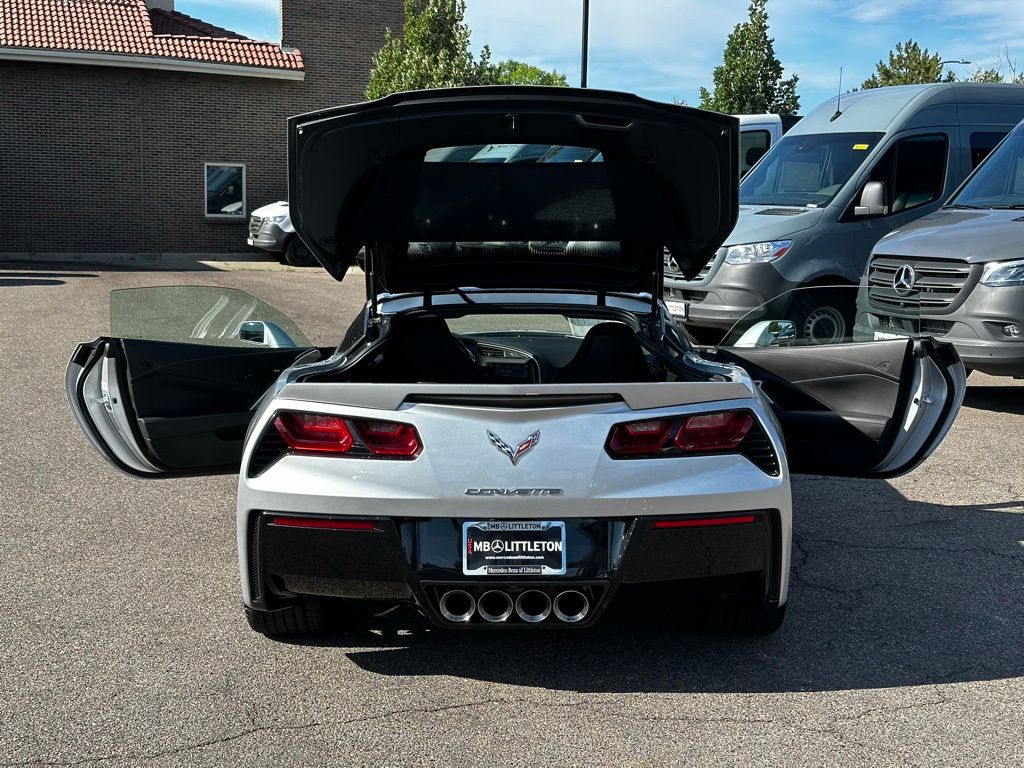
(860, 405)
(172, 390)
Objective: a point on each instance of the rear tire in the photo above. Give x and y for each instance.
(306, 617)
(822, 316)
(296, 254)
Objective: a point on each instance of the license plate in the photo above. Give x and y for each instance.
(678, 308)
(885, 336)
(513, 548)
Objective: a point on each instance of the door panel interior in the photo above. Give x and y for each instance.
(192, 403)
(840, 406)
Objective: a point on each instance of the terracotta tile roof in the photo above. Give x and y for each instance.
(127, 27)
(178, 23)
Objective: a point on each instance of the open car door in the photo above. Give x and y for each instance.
(851, 402)
(172, 390)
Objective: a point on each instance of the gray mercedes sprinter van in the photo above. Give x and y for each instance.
(811, 210)
(958, 274)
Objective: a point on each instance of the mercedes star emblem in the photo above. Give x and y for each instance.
(904, 279)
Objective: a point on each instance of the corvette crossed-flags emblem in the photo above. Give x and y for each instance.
(514, 454)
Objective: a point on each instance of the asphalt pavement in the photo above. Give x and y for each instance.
(122, 639)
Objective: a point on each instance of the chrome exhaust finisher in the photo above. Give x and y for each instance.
(571, 606)
(457, 605)
(533, 606)
(494, 606)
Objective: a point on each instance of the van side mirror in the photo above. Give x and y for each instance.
(265, 334)
(872, 200)
(768, 333)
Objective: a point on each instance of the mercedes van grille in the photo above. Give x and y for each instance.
(937, 286)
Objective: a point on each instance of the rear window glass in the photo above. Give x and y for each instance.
(513, 153)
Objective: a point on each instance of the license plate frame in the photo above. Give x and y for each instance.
(678, 308)
(889, 336)
(525, 548)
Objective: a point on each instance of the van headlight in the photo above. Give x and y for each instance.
(279, 219)
(757, 253)
(1002, 273)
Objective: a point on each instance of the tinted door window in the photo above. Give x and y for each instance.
(983, 142)
(913, 171)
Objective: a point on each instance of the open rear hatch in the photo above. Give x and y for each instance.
(402, 177)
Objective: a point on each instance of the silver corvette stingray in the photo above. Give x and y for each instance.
(514, 432)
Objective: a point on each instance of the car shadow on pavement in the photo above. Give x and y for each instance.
(885, 592)
(33, 277)
(1008, 399)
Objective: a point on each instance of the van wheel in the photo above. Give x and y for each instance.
(296, 254)
(822, 317)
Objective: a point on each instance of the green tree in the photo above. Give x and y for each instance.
(433, 52)
(908, 65)
(994, 74)
(749, 80)
(512, 72)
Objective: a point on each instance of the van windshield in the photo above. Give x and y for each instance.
(999, 181)
(806, 170)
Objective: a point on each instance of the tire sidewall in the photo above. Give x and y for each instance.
(296, 254)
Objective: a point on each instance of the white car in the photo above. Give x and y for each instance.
(513, 433)
(271, 230)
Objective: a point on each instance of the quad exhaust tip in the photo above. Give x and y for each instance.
(571, 606)
(494, 606)
(533, 606)
(458, 605)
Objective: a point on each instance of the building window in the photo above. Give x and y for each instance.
(225, 190)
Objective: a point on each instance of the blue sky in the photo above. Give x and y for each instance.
(666, 49)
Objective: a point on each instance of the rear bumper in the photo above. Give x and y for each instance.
(417, 561)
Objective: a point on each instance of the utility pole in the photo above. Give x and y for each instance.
(586, 39)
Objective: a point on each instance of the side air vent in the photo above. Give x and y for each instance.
(269, 449)
(758, 448)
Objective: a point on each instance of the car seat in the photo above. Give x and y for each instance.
(609, 353)
(423, 350)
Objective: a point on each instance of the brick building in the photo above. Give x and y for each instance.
(128, 127)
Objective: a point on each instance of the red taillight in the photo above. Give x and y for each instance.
(703, 433)
(704, 522)
(315, 432)
(386, 438)
(317, 522)
(721, 431)
(324, 433)
(639, 437)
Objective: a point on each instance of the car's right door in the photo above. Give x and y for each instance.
(877, 407)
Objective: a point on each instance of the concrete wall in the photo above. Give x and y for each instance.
(110, 160)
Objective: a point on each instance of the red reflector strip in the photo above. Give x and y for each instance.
(316, 522)
(705, 522)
